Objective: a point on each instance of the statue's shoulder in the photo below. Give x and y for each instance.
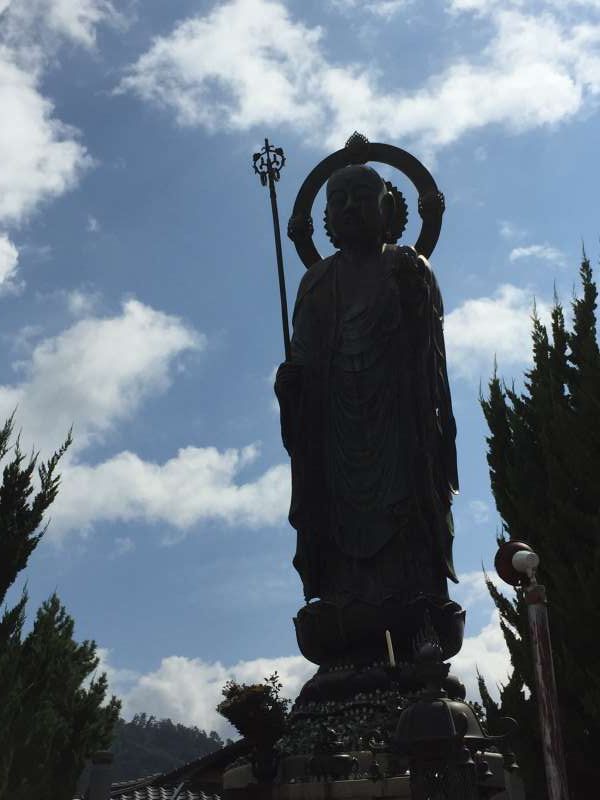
(397, 258)
(396, 253)
(314, 275)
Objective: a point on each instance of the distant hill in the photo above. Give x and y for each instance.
(147, 745)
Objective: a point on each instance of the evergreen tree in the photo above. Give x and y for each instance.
(145, 746)
(49, 719)
(544, 460)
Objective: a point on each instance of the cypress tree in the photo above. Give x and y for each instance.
(544, 461)
(52, 707)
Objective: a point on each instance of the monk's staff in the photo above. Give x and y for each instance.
(267, 164)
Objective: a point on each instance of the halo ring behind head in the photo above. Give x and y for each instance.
(358, 150)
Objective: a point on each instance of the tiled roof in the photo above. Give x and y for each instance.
(163, 793)
(161, 787)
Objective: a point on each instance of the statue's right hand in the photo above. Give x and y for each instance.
(289, 374)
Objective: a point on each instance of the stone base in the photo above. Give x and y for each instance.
(392, 788)
(293, 782)
(359, 704)
(329, 634)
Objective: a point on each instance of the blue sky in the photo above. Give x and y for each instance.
(139, 299)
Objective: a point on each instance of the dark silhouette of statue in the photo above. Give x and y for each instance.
(366, 417)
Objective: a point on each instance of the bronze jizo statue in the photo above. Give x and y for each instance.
(366, 417)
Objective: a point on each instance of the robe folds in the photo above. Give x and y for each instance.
(367, 420)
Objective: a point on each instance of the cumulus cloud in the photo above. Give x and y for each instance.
(187, 690)
(536, 70)
(487, 7)
(199, 484)
(41, 157)
(25, 21)
(487, 653)
(380, 8)
(96, 373)
(9, 258)
(543, 252)
(472, 591)
(486, 650)
(479, 6)
(486, 327)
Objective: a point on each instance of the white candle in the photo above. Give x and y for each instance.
(390, 648)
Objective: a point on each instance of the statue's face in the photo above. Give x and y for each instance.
(353, 205)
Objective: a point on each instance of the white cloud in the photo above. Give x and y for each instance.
(9, 258)
(96, 373)
(484, 327)
(472, 591)
(488, 7)
(40, 156)
(199, 484)
(544, 252)
(380, 8)
(117, 677)
(486, 652)
(213, 70)
(479, 6)
(77, 21)
(187, 690)
(536, 70)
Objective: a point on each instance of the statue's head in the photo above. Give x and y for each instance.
(358, 207)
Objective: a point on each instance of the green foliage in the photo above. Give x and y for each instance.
(53, 712)
(258, 710)
(544, 460)
(146, 746)
(20, 518)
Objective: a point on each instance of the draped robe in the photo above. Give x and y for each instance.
(369, 427)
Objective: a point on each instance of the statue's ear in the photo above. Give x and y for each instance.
(329, 230)
(394, 214)
(388, 216)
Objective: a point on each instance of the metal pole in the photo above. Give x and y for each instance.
(268, 169)
(547, 697)
(516, 563)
